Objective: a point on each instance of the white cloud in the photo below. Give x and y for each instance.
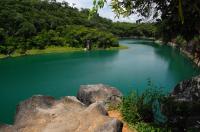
(79, 3)
(105, 12)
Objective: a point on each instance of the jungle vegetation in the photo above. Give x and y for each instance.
(177, 21)
(38, 24)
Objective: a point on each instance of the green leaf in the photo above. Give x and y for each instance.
(181, 11)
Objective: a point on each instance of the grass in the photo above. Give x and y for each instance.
(48, 50)
(118, 48)
(139, 126)
(54, 49)
(2, 56)
(137, 110)
(148, 127)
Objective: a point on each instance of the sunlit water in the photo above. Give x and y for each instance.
(61, 74)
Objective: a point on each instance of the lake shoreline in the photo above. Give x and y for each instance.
(186, 53)
(61, 74)
(137, 37)
(56, 49)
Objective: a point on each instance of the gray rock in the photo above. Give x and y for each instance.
(187, 90)
(183, 106)
(89, 94)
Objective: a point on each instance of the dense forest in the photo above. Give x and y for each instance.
(37, 24)
(177, 21)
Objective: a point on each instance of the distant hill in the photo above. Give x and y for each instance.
(28, 24)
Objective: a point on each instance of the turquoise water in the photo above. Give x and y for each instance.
(61, 74)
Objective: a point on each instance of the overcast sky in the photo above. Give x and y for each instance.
(105, 12)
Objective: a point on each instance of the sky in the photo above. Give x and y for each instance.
(105, 12)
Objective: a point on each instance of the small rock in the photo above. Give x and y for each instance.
(111, 126)
(97, 107)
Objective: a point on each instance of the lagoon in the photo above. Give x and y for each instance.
(61, 74)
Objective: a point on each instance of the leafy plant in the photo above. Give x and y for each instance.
(197, 38)
(180, 41)
(147, 127)
(138, 110)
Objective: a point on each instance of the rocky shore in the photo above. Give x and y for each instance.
(88, 114)
(174, 45)
(183, 106)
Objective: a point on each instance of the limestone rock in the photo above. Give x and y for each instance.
(89, 94)
(45, 114)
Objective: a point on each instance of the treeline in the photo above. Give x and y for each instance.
(123, 29)
(184, 33)
(28, 24)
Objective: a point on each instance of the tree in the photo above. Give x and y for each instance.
(174, 16)
(26, 29)
(31, 24)
(145, 8)
(2, 36)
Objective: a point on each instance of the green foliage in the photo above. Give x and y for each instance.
(123, 29)
(138, 110)
(129, 108)
(174, 17)
(30, 24)
(77, 36)
(171, 26)
(48, 38)
(144, 8)
(147, 127)
(26, 29)
(180, 11)
(180, 41)
(196, 38)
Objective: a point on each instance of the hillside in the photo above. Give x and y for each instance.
(37, 24)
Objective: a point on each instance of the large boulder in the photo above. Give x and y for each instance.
(45, 114)
(89, 94)
(188, 90)
(183, 106)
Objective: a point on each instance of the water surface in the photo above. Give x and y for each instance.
(61, 74)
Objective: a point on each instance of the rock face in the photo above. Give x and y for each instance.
(188, 90)
(183, 106)
(45, 114)
(89, 94)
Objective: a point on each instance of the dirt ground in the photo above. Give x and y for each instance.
(116, 114)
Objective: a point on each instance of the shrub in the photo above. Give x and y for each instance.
(140, 110)
(129, 108)
(197, 38)
(180, 41)
(146, 127)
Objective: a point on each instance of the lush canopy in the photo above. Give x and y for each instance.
(175, 17)
(28, 24)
